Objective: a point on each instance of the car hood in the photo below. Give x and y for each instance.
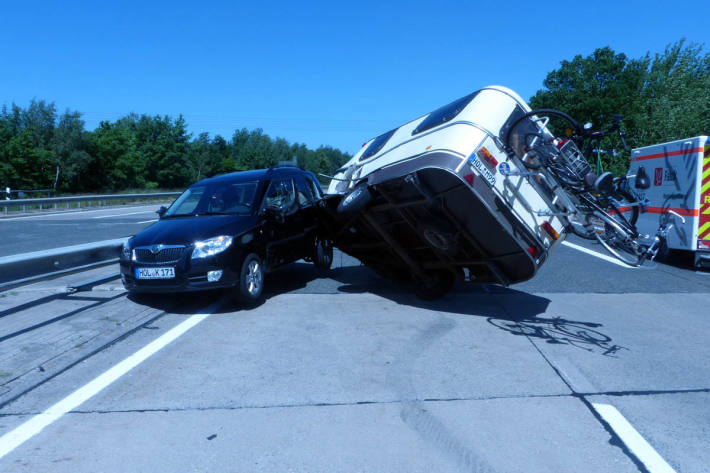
(186, 230)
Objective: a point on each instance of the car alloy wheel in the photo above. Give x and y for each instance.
(255, 278)
(251, 280)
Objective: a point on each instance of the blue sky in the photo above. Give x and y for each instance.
(326, 73)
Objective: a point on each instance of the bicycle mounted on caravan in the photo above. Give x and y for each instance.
(602, 207)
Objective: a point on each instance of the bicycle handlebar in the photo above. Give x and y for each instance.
(615, 127)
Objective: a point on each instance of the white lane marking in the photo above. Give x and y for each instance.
(33, 426)
(68, 212)
(130, 213)
(598, 255)
(148, 221)
(633, 440)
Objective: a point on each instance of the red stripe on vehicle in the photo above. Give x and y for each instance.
(672, 153)
(683, 212)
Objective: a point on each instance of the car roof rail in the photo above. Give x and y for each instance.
(286, 164)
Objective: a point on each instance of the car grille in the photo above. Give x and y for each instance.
(169, 254)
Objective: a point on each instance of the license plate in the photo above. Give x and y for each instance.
(155, 273)
(484, 171)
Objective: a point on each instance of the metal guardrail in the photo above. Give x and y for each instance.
(56, 261)
(6, 192)
(55, 201)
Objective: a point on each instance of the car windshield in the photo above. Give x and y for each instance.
(233, 198)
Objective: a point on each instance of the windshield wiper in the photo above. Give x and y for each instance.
(214, 213)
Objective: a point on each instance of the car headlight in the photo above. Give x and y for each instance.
(211, 246)
(126, 250)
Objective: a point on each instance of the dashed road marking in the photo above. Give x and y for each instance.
(34, 425)
(597, 255)
(148, 221)
(633, 440)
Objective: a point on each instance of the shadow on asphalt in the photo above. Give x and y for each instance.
(516, 312)
(681, 259)
(282, 281)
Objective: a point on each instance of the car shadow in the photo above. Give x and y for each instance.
(289, 278)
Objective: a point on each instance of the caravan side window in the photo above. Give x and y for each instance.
(376, 145)
(444, 114)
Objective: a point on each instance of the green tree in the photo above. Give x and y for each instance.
(676, 95)
(40, 149)
(663, 98)
(71, 159)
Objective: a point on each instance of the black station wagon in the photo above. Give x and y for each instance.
(228, 231)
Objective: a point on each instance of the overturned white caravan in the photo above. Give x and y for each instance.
(439, 199)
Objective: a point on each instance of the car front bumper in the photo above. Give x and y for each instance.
(185, 280)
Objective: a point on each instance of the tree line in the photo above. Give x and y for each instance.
(664, 97)
(41, 149)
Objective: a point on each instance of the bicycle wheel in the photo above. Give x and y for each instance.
(621, 206)
(585, 226)
(619, 240)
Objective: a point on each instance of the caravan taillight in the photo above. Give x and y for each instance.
(550, 231)
(487, 157)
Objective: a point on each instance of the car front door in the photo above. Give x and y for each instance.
(284, 232)
(308, 218)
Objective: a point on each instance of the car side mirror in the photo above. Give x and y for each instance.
(161, 211)
(642, 181)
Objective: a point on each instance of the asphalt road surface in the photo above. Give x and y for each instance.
(588, 367)
(54, 229)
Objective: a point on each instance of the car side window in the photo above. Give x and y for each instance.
(280, 194)
(305, 195)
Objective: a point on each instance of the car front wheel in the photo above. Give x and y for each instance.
(251, 279)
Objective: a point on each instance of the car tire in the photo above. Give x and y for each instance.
(356, 200)
(439, 283)
(323, 253)
(251, 279)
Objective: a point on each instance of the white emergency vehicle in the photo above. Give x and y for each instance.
(679, 175)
